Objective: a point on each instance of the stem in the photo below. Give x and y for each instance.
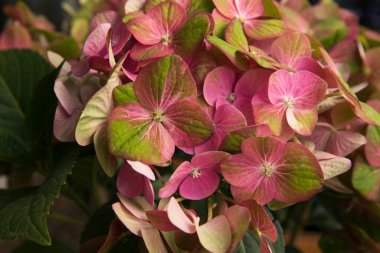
(67, 219)
(209, 209)
(72, 195)
(228, 199)
(155, 170)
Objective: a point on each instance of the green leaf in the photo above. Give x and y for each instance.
(66, 47)
(191, 36)
(232, 53)
(56, 247)
(366, 180)
(26, 217)
(21, 72)
(124, 94)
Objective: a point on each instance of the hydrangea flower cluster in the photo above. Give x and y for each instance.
(235, 104)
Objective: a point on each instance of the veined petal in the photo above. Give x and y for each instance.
(302, 121)
(178, 217)
(219, 84)
(172, 185)
(201, 186)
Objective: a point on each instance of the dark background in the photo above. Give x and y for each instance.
(368, 10)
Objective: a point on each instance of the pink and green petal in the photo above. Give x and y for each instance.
(235, 36)
(141, 52)
(164, 82)
(232, 141)
(131, 222)
(302, 121)
(372, 148)
(260, 220)
(290, 48)
(188, 40)
(187, 123)
(264, 29)
(299, 175)
(215, 235)
(162, 20)
(239, 220)
(332, 165)
(134, 136)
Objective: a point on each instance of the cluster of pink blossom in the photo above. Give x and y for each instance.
(256, 94)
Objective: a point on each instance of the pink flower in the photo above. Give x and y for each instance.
(220, 87)
(197, 179)
(270, 169)
(248, 12)
(166, 115)
(290, 103)
(134, 179)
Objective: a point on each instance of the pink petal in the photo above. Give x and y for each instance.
(129, 183)
(148, 191)
(175, 180)
(280, 87)
(209, 160)
(131, 222)
(179, 218)
(321, 136)
(266, 149)
(219, 84)
(96, 43)
(244, 105)
(65, 93)
(143, 169)
(160, 220)
(197, 188)
(289, 48)
(102, 18)
(343, 143)
(215, 235)
(119, 37)
(260, 220)
(308, 89)
(251, 82)
(227, 118)
(242, 171)
(136, 206)
(65, 124)
(332, 165)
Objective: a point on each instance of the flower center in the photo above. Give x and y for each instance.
(158, 116)
(166, 39)
(231, 97)
(267, 169)
(195, 172)
(289, 102)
